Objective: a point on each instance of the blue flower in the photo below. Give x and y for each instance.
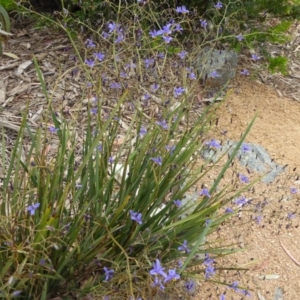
(90, 62)
(213, 143)
(214, 74)
(203, 23)
(218, 5)
(89, 43)
(99, 55)
(166, 30)
(171, 148)
(209, 271)
(241, 201)
(172, 275)
(293, 190)
(239, 37)
(190, 286)
(234, 286)
(148, 62)
(178, 28)
(115, 85)
(182, 9)
(255, 57)
(192, 76)
(222, 297)
(245, 72)
(154, 33)
(143, 131)
(243, 178)
(158, 269)
(204, 192)
(157, 160)
(182, 54)
(228, 210)
(258, 219)
(163, 124)
(114, 27)
(32, 208)
(184, 247)
(108, 273)
(177, 203)
(178, 91)
(167, 39)
(208, 260)
(135, 216)
(245, 148)
(53, 129)
(291, 215)
(154, 87)
(157, 283)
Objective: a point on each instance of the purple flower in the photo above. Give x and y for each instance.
(160, 55)
(16, 294)
(99, 147)
(172, 275)
(234, 286)
(213, 143)
(178, 91)
(154, 87)
(94, 110)
(119, 38)
(245, 72)
(218, 5)
(143, 131)
(157, 160)
(90, 62)
(207, 222)
(204, 192)
(258, 219)
(167, 39)
(105, 35)
(177, 203)
(190, 286)
(182, 9)
(178, 28)
(110, 159)
(148, 62)
(157, 283)
(158, 269)
(291, 215)
(214, 74)
(222, 297)
(114, 27)
(228, 210)
(108, 273)
(245, 148)
(239, 37)
(243, 178)
(42, 262)
(154, 33)
(246, 293)
(203, 23)
(166, 30)
(241, 201)
(163, 124)
(184, 247)
(293, 190)
(89, 43)
(135, 216)
(208, 260)
(52, 129)
(171, 148)
(115, 85)
(255, 57)
(182, 54)
(32, 208)
(192, 76)
(99, 55)
(209, 271)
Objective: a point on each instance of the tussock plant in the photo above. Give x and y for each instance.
(97, 206)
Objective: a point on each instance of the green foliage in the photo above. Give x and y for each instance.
(278, 64)
(4, 26)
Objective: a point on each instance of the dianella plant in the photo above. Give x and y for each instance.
(98, 205)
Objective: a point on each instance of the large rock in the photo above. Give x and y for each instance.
(223, 62)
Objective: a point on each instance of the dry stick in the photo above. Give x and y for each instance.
(289, 254)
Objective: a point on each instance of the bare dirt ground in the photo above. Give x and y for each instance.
(273, 246)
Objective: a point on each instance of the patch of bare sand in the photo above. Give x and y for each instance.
(277, 129)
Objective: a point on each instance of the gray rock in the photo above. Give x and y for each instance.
(278, 294)
(257, 159)
(222, 61)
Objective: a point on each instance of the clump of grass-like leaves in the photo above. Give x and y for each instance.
(105, 217)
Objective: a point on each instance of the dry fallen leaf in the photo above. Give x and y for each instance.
(2, 91)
